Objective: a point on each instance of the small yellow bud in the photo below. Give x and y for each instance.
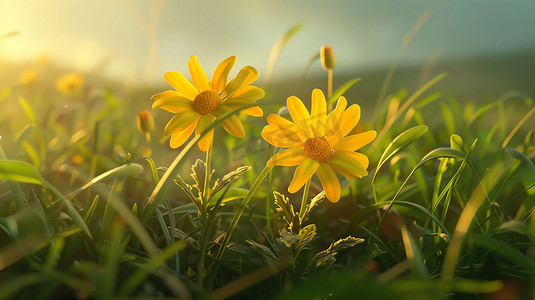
(145, 122)
(328, 59)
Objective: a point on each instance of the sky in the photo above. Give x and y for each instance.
(138, 40)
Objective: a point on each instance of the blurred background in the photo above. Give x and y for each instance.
(487, 46)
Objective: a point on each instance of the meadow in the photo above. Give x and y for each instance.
(98, 201)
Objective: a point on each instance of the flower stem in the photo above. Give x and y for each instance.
(330, 84)
(241, 209)
(330, 90)
(304, 200)
(203, 218)
(149, 144)
(206, 186)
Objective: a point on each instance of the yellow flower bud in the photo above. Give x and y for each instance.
(328, 59)
(145, 122)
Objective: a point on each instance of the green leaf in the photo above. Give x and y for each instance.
(228, 179)
(14, 186)
(14, 170)
(232, 195)
(510, 253)
(267, 255)
(456, 142)
(285, 207)
(20, 171)
(528, 170)
(289, 238)
(306, 233)
(153, 168)
(327, 256)
(414, 256)
(399, 143)
(313, 203)
(28, 110)
(341, 90)
(130, 169)
(197, 173)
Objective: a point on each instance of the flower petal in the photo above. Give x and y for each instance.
(249, 92)
(330, 182)
(281, 137)
(288, 158)
(181, 121)
(219, 79)
(355, 141)
(205, 121)
(335, 118)
(245, 77)
(254, 111)
(274, 119)
(235, 103)
(197, 74)
(346, 165)
(177, 139)
(302, 174)
(363, 159)
(318, 114)
(286, 126)
(232, 123)
(181, 84)
(350, 119)
(174, 104)
(164, 95)
(300, 116)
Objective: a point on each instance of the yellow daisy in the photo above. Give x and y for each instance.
(318, 143)
(70, 83)
(197, 105)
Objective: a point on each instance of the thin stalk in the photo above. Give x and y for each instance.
(149, 143)
(302, 209)
(203, 218)
(206, 186)
(269, 200)
(330, 87)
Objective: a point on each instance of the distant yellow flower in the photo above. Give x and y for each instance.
(28, 77)
(197, 105)
(70, 83)
(317, 143)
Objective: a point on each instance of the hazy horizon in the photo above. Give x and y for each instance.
(119, 37)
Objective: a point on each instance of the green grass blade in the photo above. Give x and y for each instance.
(398, 144)
(20, 171)
(275, 51)
(414, 256)
(341, 90)
(14, 186)
(144, 270)
(241, 209)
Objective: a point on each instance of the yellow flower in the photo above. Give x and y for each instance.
(70, 83)
(318, 143)
(28, 77)
(197, 105)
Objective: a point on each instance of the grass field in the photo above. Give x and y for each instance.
(95, 204)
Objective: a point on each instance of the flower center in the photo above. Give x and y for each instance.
(206, 102)
(317, 148)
